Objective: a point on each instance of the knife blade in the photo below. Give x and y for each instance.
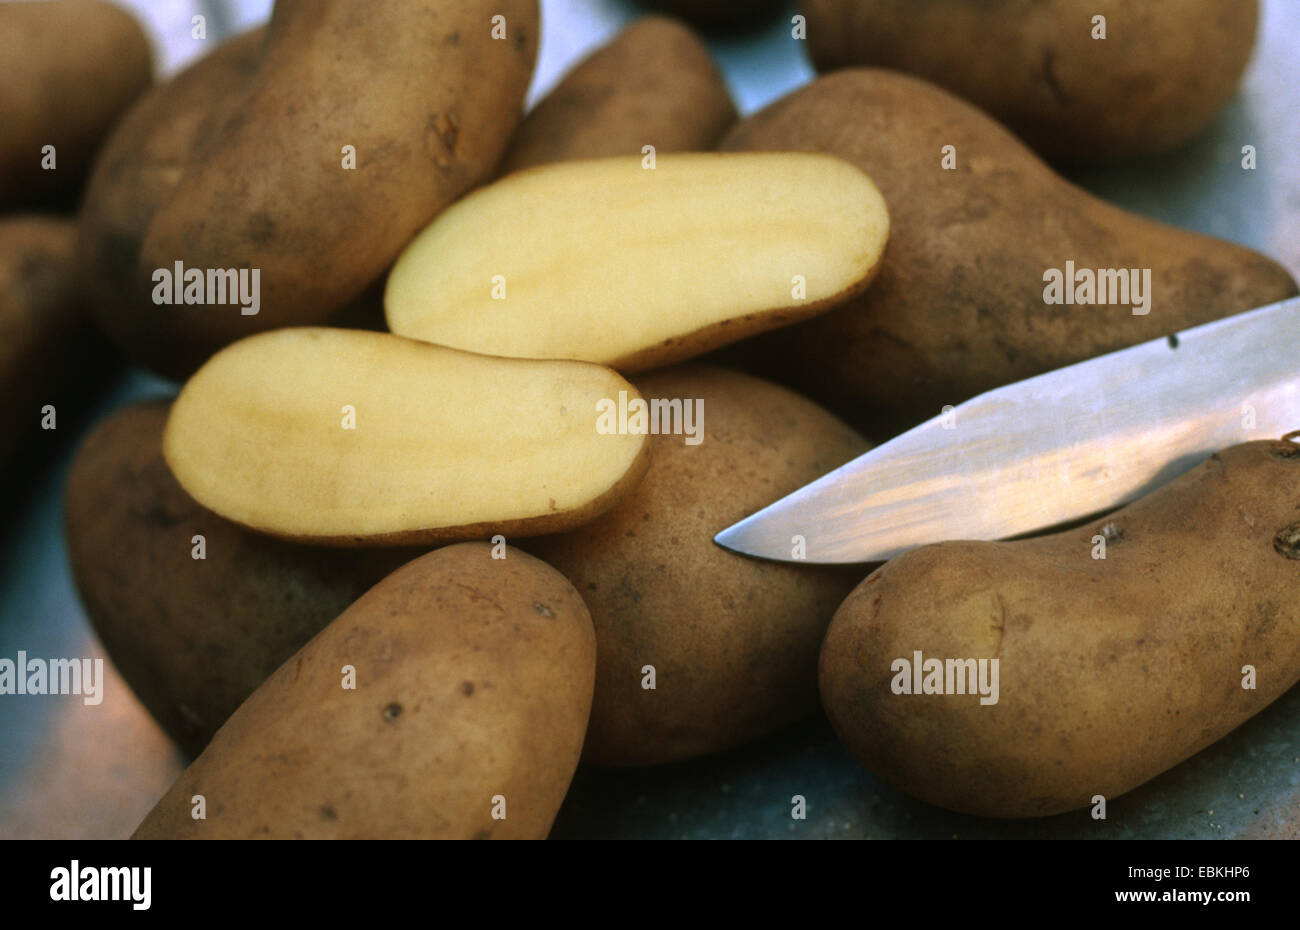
(1054, 448)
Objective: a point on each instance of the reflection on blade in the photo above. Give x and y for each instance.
(1048, 450)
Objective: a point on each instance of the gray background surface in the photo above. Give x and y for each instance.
(67, 770)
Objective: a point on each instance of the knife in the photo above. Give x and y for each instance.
(1058, 447)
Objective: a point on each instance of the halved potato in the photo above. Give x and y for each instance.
(609, 261)
(343, 437)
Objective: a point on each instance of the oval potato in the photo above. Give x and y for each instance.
(732, 641)
(323, 159)
(46, 341)
(73, 67)
(473, 680)
(654, 84)
(1110, 670)
(139, 169)
(1161, 73)
(958, 306)
(193, 637)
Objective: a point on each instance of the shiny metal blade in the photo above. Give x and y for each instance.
(1054, 448)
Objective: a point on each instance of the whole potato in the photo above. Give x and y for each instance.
(1110, 670)
(46, 341)
(1160, 74)
(328, 145)
(72, 68)
(193, 637)
(140, 169)
(733, 640)
(654, 84)
(959, 304)
(473, 680)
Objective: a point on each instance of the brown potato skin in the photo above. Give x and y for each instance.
(474, 679)
(733, 640)
(73, 68)
(654, 84)
(193, 638)
(141, 168)
(46, 342)
(1162, 73)
(957, 307)
(258, 181)
(1111, 671)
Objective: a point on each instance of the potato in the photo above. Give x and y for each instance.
(959, 305)
(733, 640)
(263, 180)
(72, 68)
(194, 637)
(655, 84)
(1160, 75)
(345, 437)
(139, 169)
(473, 680)
(1110, 670)
(46, 343)
(608, 261)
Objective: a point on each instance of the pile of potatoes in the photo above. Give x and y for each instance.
(396, 560)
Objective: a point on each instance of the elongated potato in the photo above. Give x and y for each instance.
(732, 641)
(959, 306)
(473, 680)
(607, 261)
(139, 169)
(655, 84)
(72, 68)
(349, 129)
(1110, 670)
(46, 341)
(1161, 72)
(345, 437)
(195, 612)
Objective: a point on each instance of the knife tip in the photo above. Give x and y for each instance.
(739, 539)
(729, 539)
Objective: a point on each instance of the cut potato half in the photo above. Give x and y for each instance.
(342, 437)
(609, 261)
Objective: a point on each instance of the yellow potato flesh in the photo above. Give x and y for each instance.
(446, 444)
(609, 261)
